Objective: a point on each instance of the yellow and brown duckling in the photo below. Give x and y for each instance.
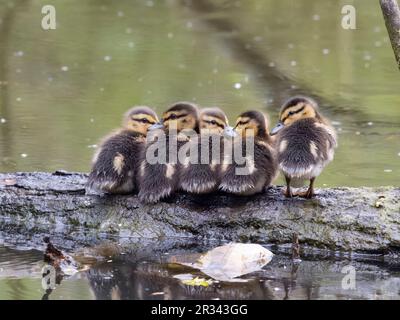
(305, 143)
(260, 167)
(201, 170)
(159, 178)
(116, 162)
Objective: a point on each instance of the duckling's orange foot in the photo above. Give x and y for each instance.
(309, 194)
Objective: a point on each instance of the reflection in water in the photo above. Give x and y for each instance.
(68, 88)
(148, 275)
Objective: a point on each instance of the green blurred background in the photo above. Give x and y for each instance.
(61, 90)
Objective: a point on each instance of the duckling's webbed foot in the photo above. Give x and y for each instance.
(288, 193)
(310, 192)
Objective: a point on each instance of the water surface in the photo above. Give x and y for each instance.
(61, 90)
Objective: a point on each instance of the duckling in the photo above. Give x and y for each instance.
(261, 164)
(115, 163)
(305, 143)
(200, 172)
(160, 179)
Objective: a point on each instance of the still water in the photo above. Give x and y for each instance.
(144, 274)
(61, 90)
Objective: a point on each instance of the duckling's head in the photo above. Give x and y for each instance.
(295, 109)
(252, 123)
(181, 116)
(213, 120)
(139, 119)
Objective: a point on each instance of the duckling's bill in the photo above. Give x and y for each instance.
(277, 128)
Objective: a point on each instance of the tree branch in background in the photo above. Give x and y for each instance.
(391, 13)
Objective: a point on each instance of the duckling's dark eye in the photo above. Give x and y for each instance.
(145, 121)
(173, 116)
(213, 122)
(291, 113)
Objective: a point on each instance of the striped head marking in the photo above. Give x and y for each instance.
(252, 123)
(181, 116)
(213, 120)
(139, 119)
(295, 109)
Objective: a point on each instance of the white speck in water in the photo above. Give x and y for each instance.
(101, 89)
(189, 24)
(378, 44)
(64, 68)
(271, 64)
(91, 120)
(367, 57)
(92, 146)
(398, 154)
(258, 38)
(182, 66)
(293, 63)
(128, 30)
(131, 44)
(358, 133)
(140, 79)
(18, 71)
(19, 53)
(109, 261)
(276, 289)
(107, 58)
(316, 17)
(2, 120)
(340, 129)
(246, 79)
(290, 45)
(336, 123)
(200, 84)
(23, 155)
(388, 170)
(120, 13)
(150, 3)
(215, 70)
(237, 85)
(293, 86)
(325, 51)
(370, 123)
(170, 35)
(377, 29)
(18, 99)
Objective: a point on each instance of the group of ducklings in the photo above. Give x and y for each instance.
(300, 146)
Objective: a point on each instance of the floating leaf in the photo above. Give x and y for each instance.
(198, 282)
(228, 262)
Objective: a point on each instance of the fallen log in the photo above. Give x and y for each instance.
(347, 219)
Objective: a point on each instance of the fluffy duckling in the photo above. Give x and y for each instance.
(260, 165)
(115, 163)
(200, 172)
(159, 178)
(305, 143)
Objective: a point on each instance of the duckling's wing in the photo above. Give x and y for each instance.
(157, 178)
(115, 164)
(304, 149)
(250, 173)
(200, 171)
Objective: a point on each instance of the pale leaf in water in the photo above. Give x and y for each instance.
(230, 261)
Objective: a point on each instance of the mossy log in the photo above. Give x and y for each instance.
(345, 219)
